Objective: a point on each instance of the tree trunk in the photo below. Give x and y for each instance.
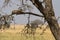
(49, 16)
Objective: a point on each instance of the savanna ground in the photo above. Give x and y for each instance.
(15, 34)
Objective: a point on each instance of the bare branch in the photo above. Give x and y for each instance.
(17, 12)
(38, 5)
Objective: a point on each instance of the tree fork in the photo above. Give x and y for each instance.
(49, 16)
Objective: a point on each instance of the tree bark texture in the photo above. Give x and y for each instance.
(49, 16)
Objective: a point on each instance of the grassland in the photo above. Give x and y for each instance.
(15, 34)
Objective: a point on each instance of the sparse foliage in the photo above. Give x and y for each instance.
(5, 21)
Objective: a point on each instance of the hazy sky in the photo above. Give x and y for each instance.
(22, 19)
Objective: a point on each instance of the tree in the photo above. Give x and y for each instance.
(37, 22)
(49, 16)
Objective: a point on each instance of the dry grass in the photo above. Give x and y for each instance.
(15, 34)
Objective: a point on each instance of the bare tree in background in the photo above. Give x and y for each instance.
(6, 2)
(35, 24)
(5, 21)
